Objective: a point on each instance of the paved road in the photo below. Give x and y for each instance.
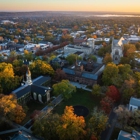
(47, 109)
(106, 135)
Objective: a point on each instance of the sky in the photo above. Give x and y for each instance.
(71, 5)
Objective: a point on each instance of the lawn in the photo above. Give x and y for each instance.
(81, 97)
(32, 105)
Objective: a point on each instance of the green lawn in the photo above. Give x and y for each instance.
(81, 97)
(32, 105)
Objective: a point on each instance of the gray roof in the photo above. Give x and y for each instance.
(115, 41)
(125, 41)
(35, 87)
(89, 76)
(22, 90)
(39, 89)
(41, 80)
(134, 101)
(128, 136)
(69, 71)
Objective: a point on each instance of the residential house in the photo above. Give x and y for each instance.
(134, 104)
(128, 136)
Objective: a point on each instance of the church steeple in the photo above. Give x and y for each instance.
(28, 77)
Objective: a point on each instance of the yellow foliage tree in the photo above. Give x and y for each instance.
(39, 67)
(6, 70)
(71, 126)
(10, 109)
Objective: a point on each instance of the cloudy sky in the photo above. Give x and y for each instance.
(71, 5)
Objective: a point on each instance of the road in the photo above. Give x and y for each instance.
(106, 135)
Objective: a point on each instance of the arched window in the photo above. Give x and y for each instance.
(40, 98)
(35, 96)
(116, 52)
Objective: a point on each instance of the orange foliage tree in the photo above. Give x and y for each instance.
(72, 126)
(10, 109)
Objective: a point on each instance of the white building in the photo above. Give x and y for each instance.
(74, 48)
(134, 104)
(117, 49)
(91, 42)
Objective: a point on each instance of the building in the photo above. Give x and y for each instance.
(33, 89)
(117, 49)
(85, 72)
(134, 104)
(128, 136)
(81, 48)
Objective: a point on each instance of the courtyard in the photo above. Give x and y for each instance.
(80, 98)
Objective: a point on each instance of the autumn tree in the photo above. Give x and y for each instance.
(113, 93)
(10, 109)
(107, 58)
(59, 75)
(123, 115)
(65, 88)
(128, 49)
(96, 90)
(8, 81)
(39, 67)
(128, 89)
(97, 123)
(28, 55)
(106, 104)
(46, 125)
(71, 126)
(110, 72)
(125, 71)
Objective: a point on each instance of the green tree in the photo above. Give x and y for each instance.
(97, 123)
(92, 57)
(46, 125)
(96, 90)
(65, 88)
(72, 58)
(110, 72)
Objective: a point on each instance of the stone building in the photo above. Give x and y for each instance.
(117, 49)
(85, 72)
(33, 89)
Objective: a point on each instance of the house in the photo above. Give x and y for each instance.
(128, 136)
(134, 103)
(33, 89)
(84, 72)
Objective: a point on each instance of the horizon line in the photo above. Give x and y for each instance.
(65, 11)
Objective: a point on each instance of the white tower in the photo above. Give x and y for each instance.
(91, 42)
(28, 77)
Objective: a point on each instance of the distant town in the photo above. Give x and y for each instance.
(69, 76)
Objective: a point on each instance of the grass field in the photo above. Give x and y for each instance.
(81, 97)
(32, 105)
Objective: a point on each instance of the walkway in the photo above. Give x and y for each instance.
(78, 85)
(28, 125)
(106, 134)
